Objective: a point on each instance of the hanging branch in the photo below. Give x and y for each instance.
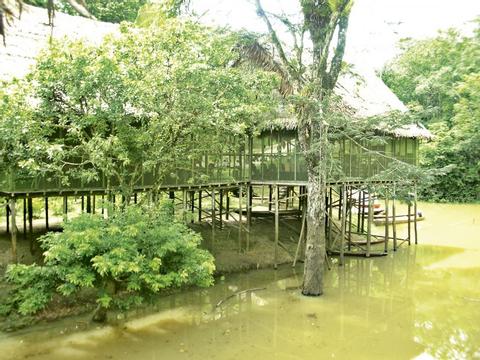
(274, 37)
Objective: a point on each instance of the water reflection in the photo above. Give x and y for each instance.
(399, 306)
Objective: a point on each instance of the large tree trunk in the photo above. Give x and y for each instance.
(315, 247)
(312, 139)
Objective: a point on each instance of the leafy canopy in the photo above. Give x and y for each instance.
(143, 102)
(439, 80)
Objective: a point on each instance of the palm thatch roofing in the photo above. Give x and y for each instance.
(363, 94)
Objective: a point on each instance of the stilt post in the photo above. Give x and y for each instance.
(394, 217)
(275, 261)
(387, 224)
(415, 212)
(47, 226)
(369, 223)
(343, 223)
(14, 229)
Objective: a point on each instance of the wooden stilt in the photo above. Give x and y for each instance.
(330, 219)
(275, 261)
(14, 229)
(327, 203)
(359, 212)
(269, 197)
(7, 212)
(364, 197)
(249, 216)
(227, 215)
(94, 205)
(83, 204)
(25, 211)
(103, 204)
(394, 218)
(240, 212)
(65, 209)
(135, 198)
(220, 208)
(47, 227)
(343, 193)
(340, 201)
(370, 221)
(30, 222)
(350, 217)
(192, 206)
(200, 206)
(184, 205)
(213, 215)
(409, 219)
(89, 204)
(387, 225)
(415, 211)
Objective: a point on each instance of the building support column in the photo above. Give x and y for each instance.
(343, 194)
(14, 229)
(394, 218)
(277, 223)
(47, 226)
(370, 220)
(387, 221)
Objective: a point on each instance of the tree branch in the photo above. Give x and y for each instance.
(80, 9)
(275, 40)
(336, 64)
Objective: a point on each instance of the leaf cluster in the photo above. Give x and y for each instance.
(439, 80)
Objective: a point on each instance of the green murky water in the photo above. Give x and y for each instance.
(421, 302)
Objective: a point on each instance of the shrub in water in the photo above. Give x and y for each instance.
(135, 253)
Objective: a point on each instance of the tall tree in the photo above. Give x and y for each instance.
(312, 71)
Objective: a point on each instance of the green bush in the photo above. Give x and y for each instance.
(135, 253)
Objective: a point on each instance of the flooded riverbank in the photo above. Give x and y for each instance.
(421, 302)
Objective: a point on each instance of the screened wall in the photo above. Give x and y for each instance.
(273, 156)
(276, 156)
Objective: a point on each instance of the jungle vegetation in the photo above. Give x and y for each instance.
(439, 79)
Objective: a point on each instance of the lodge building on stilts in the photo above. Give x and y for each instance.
(263, 173)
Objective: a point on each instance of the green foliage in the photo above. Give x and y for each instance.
(103, 10)
(145, 102)
(439, 80)
(134, 254)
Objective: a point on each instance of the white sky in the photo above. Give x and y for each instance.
(375, 25)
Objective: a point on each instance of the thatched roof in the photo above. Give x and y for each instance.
(31, 33)
(363, 95)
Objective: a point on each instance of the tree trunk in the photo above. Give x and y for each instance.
(315, 244)
(312, 139)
